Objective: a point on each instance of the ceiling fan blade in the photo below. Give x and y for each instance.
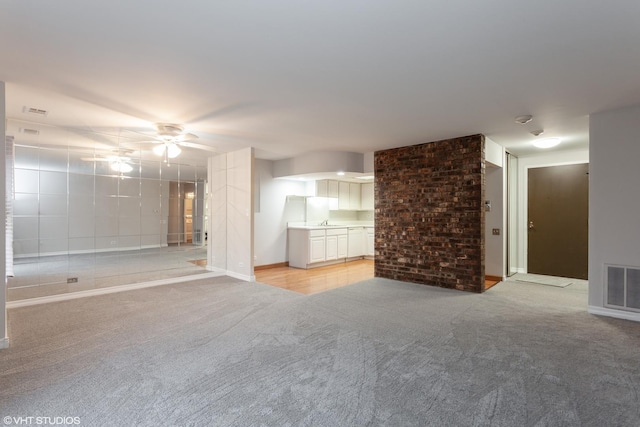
(198, 146)
(185, 137)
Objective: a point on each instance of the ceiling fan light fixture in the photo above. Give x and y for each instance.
(547, 142)
(158, 150)
(173, 150)
(122, 167)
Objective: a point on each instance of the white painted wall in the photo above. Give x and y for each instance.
(614, 199)
(494, 257)
(368, 166)
(232, 214)
(276, 210)
(495, 180)
(4, 337)
(554, 158)
(319, 162)
(493, 153)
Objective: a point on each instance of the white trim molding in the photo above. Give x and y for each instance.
(618, 314)
(233, 274)
(110, 290)
(4, 343)
(245, 277)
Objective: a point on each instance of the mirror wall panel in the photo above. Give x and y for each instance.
(82, 223)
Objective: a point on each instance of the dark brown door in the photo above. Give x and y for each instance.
(558, 214)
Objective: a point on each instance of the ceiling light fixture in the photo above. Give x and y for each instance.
(340, 174)
(547, 142)
(173, 150)
(170, 148)
(523, 119)
(536, 132)
(158, 150)
(122, 167)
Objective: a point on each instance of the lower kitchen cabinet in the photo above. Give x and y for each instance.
(356, 242)
(370, 241)
(317, 247)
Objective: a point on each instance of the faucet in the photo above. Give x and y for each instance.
(325, 222)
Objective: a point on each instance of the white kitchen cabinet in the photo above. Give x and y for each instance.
(332, 188)
(370, 241)
(327, 188)
(322, 188)
(367, 197)
(343, 245)
(317, 249)
(331, 248)
(354, 196)
(336, 243)
(343, 195)
(356, 242)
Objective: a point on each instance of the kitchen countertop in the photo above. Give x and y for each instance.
(331, 226)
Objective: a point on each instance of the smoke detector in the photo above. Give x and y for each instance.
(523, 119)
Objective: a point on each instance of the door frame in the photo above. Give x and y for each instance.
(558, 158)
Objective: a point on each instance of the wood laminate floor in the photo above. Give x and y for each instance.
(315, 280)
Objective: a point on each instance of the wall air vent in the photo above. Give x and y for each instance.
(30, 131)
(38, 111)
(623, 287)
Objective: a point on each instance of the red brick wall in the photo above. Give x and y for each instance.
(429, 213)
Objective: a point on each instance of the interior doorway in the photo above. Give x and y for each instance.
(557, 220)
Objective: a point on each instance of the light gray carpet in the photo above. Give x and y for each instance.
(227, 353)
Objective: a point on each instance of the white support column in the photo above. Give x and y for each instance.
(217, 227)
(231, 229)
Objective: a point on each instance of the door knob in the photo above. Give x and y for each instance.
(531, 226)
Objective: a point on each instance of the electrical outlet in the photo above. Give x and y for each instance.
(496, 231)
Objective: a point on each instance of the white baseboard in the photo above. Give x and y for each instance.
(90, 251)
(244, 277)
(233, 274)
(610, 312)
(4, 343)
(109, 290)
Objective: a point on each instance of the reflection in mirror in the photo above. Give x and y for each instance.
(88, 217)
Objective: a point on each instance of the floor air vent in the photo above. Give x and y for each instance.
(623, 287)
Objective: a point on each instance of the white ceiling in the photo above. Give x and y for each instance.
(290, 77)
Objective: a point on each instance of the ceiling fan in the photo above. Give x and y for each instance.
(120, 162)
(169, 139)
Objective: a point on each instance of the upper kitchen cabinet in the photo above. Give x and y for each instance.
(327, 188)
(366, 198)
(344, 197)
(354, 196)
(351, 196)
